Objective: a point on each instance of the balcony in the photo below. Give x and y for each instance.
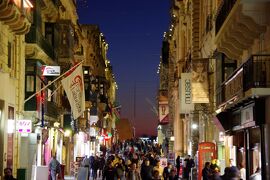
(238, 23)
(257, 76)
(250, 80)
(38, 46)
(17, 15)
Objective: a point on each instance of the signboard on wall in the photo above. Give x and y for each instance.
(171, 157)
(163, 162)
(247, 119)
(51, 70)
(24, 126)
(185, 95)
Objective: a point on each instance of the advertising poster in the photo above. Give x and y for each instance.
(200, 89)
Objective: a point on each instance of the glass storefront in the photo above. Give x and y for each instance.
(255, 149)
(247, 144)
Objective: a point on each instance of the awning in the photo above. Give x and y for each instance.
(218, 124)
(222, 121)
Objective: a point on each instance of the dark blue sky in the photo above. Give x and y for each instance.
(134, 31)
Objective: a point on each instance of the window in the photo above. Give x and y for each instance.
(30, 68)
(9, 54)
(50, 94)
(30, 83)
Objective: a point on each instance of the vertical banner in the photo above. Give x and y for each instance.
(200, 90)
(11, 120)
(74, 87)
(185, 97)
(163, 107)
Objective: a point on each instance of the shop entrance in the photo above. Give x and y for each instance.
(255, 149)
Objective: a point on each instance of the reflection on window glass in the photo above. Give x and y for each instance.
(49, 95)
(30, 83)
(30, 68)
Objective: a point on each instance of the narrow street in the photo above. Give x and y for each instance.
(140, 90)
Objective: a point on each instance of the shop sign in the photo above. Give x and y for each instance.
(24, 126)
(163, 162)
(171, 157)
(221, 137)
(51, 70)
(247, 117)
(185, 95)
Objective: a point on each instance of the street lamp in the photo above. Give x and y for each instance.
(194, 126)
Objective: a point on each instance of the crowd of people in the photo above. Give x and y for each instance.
(132, 160)
(141, 160)
(211, 171)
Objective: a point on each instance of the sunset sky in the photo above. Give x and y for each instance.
(134, 32)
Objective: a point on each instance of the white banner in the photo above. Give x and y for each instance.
(74, 87)
(185, 97)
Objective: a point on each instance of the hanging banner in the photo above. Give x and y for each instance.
(185, 93)
(74, 87)
(163, 107)
(200, 92)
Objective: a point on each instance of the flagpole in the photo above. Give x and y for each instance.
(50, 83)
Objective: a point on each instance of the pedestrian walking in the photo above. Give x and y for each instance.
(54, 168)
(158, 168)
(119, 170)
(86, 164)
(8, 174)
(189, 163)
(226, 174)
(173, 175)
(101, 166)
(95, 167)
(156, 175)
(146, 170)
(133, 173)
(167, 171)
(109, 171)
(206, 172)
(178, 164)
